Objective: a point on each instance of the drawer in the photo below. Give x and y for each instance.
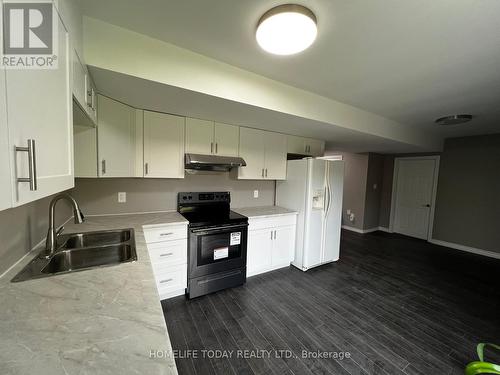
(272, 222)
(171, 278)
(165, 233)
(168, 252)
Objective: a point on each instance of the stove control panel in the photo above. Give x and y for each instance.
(203, 197)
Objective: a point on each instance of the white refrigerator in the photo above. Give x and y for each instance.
(314, 188)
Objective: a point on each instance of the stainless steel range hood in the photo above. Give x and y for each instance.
(212, 162)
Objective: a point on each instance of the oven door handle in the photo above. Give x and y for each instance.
(216, 230)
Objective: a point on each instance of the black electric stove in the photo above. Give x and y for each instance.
(217, 242)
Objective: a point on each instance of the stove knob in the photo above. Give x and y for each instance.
(184, 197)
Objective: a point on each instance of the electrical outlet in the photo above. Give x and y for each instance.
(255, 193)
(375, 186)
(348, 212)
(122, 197)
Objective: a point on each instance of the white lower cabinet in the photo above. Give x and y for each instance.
(167, 248)
(271, 243)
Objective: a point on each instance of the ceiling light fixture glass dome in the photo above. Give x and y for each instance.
(286, 29)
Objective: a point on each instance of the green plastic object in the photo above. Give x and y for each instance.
(481, 367)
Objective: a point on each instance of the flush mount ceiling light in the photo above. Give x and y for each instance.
(286, 29)
(453, 120)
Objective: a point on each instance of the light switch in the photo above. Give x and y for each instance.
(255, 193)
(122, 197)
(375, 186)
(348, 212)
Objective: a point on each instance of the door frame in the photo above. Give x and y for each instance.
(395, 176)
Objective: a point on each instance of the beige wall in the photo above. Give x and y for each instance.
(100, 196)
(22, 228)
(355, 177)
(468, 194)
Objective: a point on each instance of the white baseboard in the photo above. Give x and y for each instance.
(468, 249)
(384, 229)
(362, 231)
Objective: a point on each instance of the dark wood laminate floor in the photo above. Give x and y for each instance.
(397, 305)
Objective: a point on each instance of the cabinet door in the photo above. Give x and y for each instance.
(85, 141)
(275, 165)
(316, 147)
(296, 145)
(117, 138)
(5, 176)
(91, 98)
(199, 136)
(227, 139)
(259, 248)
(39, 108)
(252, 150)
(163, 145)
(79, 81)
(283, 246)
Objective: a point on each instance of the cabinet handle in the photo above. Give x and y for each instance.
(216, 144)
(165, 281)
(146, 168)
(262, 172)
(92, 99)
(103, 166)
(266, 172)
(31, 164)
(166, 254)
(211, 147)
(166, 234)
(271, 235)
(274, 234)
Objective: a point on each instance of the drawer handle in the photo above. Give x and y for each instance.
(166, 254)
(166, 234)
(165, 281)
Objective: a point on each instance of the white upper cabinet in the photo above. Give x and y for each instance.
(163, 145)
(5, 175)
(119, 140)
(39, 113)
(275, 163)
(79, 80)
(265, 155)
(85, 147)
(209, 138)
(315, 147)
(199, 136)
(305, 146)
(252, 150)
(226, 139)
(296, 145)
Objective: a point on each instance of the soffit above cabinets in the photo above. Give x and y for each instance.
(409, 61)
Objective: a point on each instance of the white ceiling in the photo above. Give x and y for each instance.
(411, 61)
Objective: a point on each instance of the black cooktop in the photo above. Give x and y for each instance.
(204, 209)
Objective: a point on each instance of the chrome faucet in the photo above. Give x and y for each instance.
(51, 242)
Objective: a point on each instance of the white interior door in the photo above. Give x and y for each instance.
(163, 145)
(414, 196)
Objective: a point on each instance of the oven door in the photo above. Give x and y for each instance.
(217, 249)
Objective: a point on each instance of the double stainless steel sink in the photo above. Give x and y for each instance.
(81, 251)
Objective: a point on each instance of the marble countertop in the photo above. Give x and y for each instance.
(99, 321)
(265, 211)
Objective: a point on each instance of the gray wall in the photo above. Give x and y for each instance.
(373, 191)
(355, 177)
(23, 227)
(100, 196)
(468, 195)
